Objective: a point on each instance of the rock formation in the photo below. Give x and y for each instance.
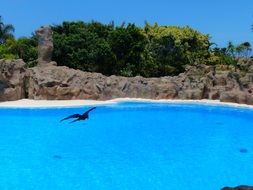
(64, 83)
(45, 46)
(198, 82)
(58, 82)
(12, 83)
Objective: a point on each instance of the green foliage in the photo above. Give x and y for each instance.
(22, 48)
(243, 49)
(230, 54)
(223, 56)
(83, 46)
(174, 47)
(128, 50)
(5, 52)
(128, 45)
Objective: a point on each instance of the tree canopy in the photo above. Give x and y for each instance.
(126, 50)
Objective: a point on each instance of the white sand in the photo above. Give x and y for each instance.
(26, 103)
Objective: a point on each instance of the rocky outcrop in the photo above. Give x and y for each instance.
(243, 187)
(62, 83)
(12, 80)
(45, 46)
(197, 82)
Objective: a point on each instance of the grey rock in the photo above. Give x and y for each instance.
(198, 82)
(54, 82)
(45, 46)
(62, 83)
(12, 79)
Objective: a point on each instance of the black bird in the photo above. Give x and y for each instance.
(79, 117)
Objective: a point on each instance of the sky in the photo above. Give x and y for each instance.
(223, 20)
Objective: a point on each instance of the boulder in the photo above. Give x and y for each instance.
(12, 79)
(235, 96)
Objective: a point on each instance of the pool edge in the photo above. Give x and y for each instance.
(27, 103)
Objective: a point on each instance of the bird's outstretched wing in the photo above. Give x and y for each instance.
(71, 116)
(89, 111)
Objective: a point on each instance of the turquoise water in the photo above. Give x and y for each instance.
(128, 145)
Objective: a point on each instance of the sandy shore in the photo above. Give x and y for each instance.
(26, 103)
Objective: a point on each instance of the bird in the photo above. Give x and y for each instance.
(79, 117)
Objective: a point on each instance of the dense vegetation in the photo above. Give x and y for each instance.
(127, 50)
(22, 48)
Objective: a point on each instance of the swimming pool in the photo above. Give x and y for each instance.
(128, 145)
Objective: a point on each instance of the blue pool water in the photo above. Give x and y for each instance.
(128, 145)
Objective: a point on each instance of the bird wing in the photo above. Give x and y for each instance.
(71, 116)
(89, 111)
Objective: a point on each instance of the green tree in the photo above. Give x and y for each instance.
(129, 50)
(6, 31)
(224, 56)
(173, 47)
(243, 49)
(128, 45)
(83, 46)
(168, 56)
(24, 48)
(247, 48)
(5, 52)
(231, 49)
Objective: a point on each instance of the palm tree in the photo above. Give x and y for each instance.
(243, 49)
(6, 31)
(231, 49)
(247, 49)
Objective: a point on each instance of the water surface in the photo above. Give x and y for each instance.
(129, 145)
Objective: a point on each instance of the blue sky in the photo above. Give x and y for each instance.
(223, 20)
